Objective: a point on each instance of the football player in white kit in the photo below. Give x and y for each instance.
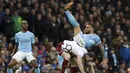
(66, 47)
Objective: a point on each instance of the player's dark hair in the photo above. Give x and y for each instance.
(92, 26)
(91, 54)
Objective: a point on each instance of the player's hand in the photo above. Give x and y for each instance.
(104, 63)
(12, 54)
(91, 63)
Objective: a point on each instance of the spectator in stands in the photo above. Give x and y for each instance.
(7, 23)
(121, 68)
(16, 27)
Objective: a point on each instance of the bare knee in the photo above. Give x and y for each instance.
(12, 63)
(34, 63)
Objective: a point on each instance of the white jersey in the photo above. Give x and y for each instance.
(72, 46)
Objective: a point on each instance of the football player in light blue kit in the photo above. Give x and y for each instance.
(24, 46)
(86, 39)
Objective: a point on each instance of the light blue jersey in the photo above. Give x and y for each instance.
(25, 41)
(91, 40)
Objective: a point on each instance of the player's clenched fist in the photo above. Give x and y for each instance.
(35, 55)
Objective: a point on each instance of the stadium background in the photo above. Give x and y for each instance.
(46, 18)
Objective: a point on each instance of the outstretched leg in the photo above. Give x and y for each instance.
(78, 35)
(71, 19)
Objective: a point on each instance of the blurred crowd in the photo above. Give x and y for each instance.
(47, 20)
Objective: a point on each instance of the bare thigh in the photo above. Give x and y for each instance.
(77, 30)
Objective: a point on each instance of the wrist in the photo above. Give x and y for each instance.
(35, 54)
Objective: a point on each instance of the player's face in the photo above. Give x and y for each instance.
(25, 26)
(87, 29)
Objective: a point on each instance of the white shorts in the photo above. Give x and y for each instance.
(19, 56)
(79, 39)
(79, 50)
(75, 48)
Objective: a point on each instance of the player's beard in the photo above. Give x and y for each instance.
(25, 28)
(87, 31)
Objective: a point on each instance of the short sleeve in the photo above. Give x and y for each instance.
(32, 39)
(98, 40)
(16, 38)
